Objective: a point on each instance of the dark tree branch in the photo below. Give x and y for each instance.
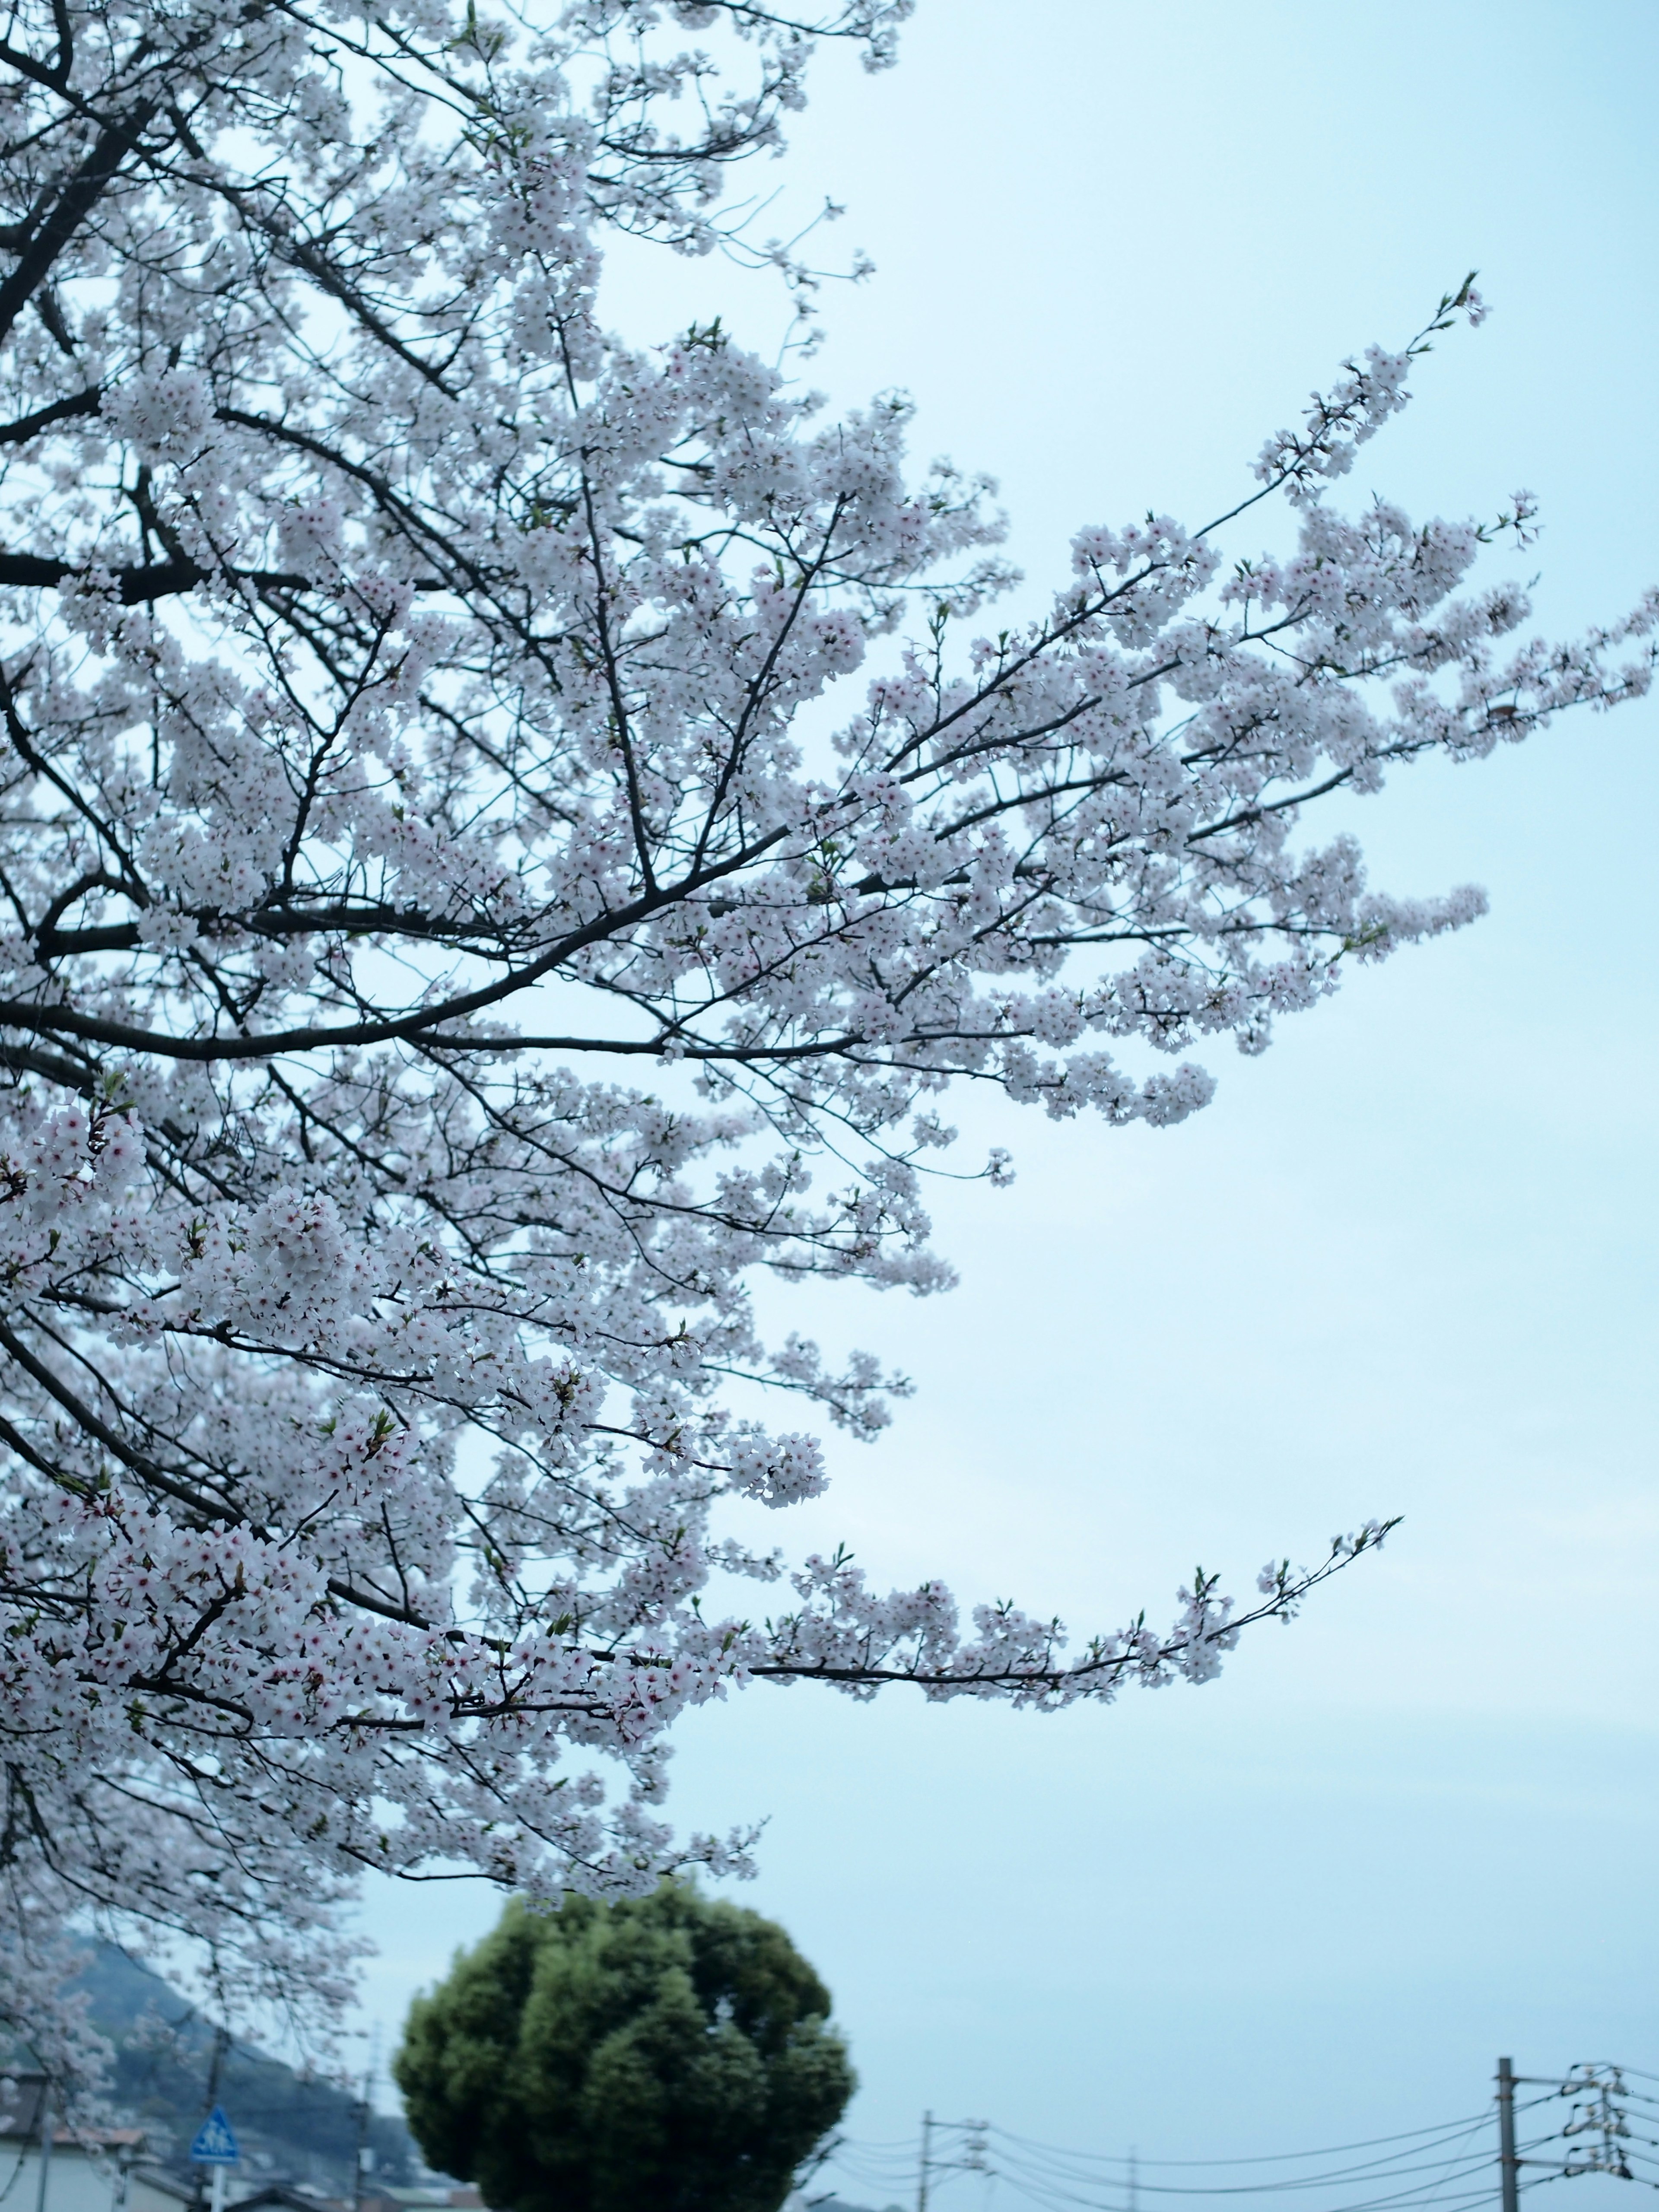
(113, 146)
(61, 410)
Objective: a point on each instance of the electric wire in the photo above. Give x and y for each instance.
(1438, 2191)
(1407, 2176)
(1442, 2129)
(1439, 2194)
(1044, 2175)
(1351, 2177)
(1277, 2158)
(1369, 2168)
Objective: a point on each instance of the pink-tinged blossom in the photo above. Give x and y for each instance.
(507, 837)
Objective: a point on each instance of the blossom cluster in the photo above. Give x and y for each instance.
(442, 964)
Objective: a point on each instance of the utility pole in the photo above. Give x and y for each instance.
(926, 2175)
(364, 2110)
(1509, 2166)
(47, 2131)
(220, 2046)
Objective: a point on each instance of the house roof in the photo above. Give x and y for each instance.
(279, 2193)
(19, 2104)
(165, 2183)
(20, 2119)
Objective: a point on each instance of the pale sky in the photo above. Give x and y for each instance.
(1403, 1265)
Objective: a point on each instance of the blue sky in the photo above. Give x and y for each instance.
(1403, 1265)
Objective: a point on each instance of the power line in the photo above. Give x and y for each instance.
(1440, 2173)
(1369, 2170)
(1271, 2158)
(1594, 2136)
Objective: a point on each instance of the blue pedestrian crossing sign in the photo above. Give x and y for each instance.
(216, 2142)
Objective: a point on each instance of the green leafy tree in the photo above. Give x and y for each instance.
(664, 2054)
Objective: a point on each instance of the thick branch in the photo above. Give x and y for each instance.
(61, 410)
(138, 585)
(75, 204)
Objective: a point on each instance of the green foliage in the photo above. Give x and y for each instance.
(666, 2054)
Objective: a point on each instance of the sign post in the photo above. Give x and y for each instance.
(216, 2145)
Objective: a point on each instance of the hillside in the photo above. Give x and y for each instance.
(290, 2128)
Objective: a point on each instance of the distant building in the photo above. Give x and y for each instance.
(91, 2169)
(108, 2170)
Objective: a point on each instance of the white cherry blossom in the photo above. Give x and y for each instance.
(445, 965)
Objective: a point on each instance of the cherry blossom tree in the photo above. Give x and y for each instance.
(509, 837)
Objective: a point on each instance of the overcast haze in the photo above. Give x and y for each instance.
(1404, 1264)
